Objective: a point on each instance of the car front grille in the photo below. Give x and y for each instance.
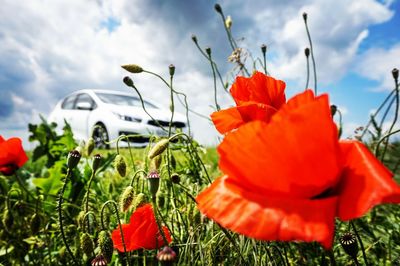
(134, 137)
(157, 123)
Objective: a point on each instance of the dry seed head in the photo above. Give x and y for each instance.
(263, 48)
(73, 159)
(171, 69)
(307, 52)
(349, 243)
(333, 110)
(166, 254)
(208, 51)
(395, 73)
(127, 198)
(305, 16)
(120, 165)
(87, 244)
(194, 38)
(96, 162)
(154, 182)
(132, 68)
(159, 148)
(99, 260)
(106, 245)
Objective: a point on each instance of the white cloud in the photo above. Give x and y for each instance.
(377, 63)
(51, 48)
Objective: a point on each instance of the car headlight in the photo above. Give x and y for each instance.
(128, 118)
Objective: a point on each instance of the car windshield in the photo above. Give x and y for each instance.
(123, 100)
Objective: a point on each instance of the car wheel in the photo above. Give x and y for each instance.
(100, 137)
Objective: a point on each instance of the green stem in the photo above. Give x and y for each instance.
(215, 83)
(60, 218)
(312, 57)
(308, 72)
(382, 139)
(158, 222)
(360, 241)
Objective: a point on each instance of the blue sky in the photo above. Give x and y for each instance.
(51, 48)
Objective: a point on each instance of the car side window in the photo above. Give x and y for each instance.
(85, 98)
(69, 102)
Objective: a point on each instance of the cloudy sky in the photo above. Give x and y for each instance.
(51, 48)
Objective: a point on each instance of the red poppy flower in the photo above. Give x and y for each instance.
(12, 155)
(257, 98)
(141, 232)
(288, 179)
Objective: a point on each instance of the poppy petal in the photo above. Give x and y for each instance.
(231, 118)
(259, 88)
(298, 152)
(267, 217)
(117, 239)
(365, 182)
(12, 152)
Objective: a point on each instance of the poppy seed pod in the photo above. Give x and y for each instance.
(166, 254)
(87, 244)
(208, 51)
(395, 73)
(263, 48)
(96, 162)
(158, 148)
(127, 198)
(35, 223)
(218, 8)
(120, 165)
(171, 69)
(133, 68)
(73, 159)
(333, 110)
(154, 182)
(106, 245)
(307, 52)
(305, 16)
(194, 38)
(128, 81)
(99, 260)
(175, 178)
(349, 243)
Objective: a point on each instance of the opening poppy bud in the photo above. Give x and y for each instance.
(395, 73)
(106, 245)
(166, 254)
(307, 52)
(127, 198)
(35, 223)
(263, 48)
(133, 68)
(333, 109)
(96, 162)
(305, 16)
(194, 38)
(218, 8)
(156, 162)
(79, 218)
(171, 69)
(154, 182)
(208, 51)
(8, 219)
(159, 148)
(120, 165)
(228, 22)
(175, 178)
(99, 260)
(73, 159)
(140, 200)
(128, 81)
(87, 244)
(349, 243)
(89, 146)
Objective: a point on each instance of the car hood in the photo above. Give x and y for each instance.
(138, 112)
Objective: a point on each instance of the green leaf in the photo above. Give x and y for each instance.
(53, 183)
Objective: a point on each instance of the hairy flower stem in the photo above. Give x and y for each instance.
(123, 136)
(215, 82)
(361, 243)
(396, 113)
(383, 139)
(308, 72)
(87, 196)
(114, 204)
(60, 218)
(312, 57)
(160, 229)
(331, 257)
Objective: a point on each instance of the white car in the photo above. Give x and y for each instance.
(105, 115)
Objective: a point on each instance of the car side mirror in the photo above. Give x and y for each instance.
(84, 106)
